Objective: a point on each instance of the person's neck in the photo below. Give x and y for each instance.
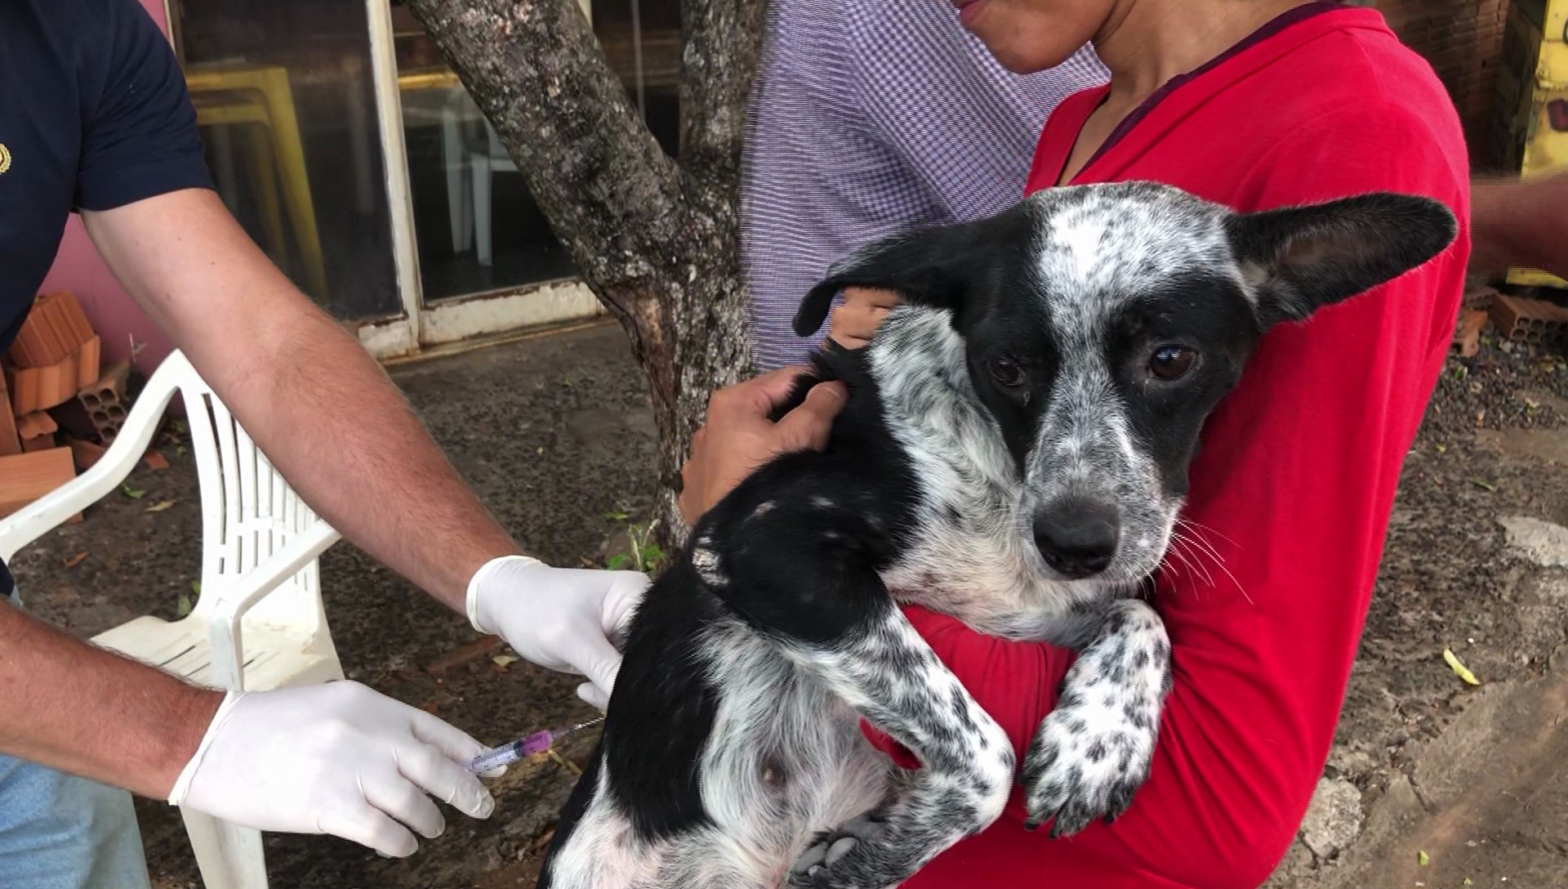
(1146, 43)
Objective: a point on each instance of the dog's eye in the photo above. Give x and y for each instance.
(1172, 362)
(1006, 372)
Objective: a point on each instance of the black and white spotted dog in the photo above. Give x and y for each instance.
(1014, 453)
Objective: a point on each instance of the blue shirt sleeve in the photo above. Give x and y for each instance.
(139, 136)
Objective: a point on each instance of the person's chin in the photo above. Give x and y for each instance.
(1021, 58)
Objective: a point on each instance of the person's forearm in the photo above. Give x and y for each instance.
(80, 709)
(343, 434)
(320, 408)
(1519, 223)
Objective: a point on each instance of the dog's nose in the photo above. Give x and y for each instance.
(1077, 537)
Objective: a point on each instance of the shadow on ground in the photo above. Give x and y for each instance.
(556, 434)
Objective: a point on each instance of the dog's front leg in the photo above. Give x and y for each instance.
(801, 571)
(889, 674)
(1094, 750)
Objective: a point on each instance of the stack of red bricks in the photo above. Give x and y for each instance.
(52, 384)
(1518, 319)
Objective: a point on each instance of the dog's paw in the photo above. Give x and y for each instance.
(858, 855)
(1095, 749)
(1076, 774)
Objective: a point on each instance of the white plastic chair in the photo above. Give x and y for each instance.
(258, 623)
(472, 154)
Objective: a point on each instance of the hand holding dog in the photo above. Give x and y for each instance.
(565, 619)
(738, 436)
(858, 317)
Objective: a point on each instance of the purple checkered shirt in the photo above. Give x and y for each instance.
(869, 117)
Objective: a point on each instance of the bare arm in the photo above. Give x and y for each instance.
(84, 710)
(1520, 223)
(320, 408)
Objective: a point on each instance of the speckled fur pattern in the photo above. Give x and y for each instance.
(1014, 453)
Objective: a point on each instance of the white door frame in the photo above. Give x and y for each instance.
(456, 319)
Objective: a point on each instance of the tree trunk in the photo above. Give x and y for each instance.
(656, 241)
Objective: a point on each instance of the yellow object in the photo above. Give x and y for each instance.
(260, 99)
(1459, 668)
(1533, 101)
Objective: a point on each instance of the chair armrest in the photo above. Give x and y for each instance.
(234, 599)
(51, 510)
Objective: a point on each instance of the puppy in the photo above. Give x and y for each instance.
(1014, 453)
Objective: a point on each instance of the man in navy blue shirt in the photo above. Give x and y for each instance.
(94, 117)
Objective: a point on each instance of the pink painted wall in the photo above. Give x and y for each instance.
(79, 269)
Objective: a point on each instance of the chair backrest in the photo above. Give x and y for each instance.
(249, 512)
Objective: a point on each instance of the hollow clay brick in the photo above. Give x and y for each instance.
(1528, 320)
(1467, 338)
(36, 431)
(55, 329)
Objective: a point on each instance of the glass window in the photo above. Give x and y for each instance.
(286, 104)
(478, 227)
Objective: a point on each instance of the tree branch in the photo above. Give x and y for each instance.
(723, 39)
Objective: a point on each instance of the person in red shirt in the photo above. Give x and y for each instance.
(1255, 104)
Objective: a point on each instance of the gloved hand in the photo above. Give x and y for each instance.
(335, 758)
(566, 619)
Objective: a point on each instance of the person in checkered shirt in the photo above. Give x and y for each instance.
(871, 117)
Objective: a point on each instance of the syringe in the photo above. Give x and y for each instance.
(534, 744)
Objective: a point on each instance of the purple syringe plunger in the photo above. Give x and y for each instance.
(533, 745)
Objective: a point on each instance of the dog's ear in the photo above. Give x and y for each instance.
(928, 267)
(1300, 259)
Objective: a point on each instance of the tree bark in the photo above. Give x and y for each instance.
(657, 241)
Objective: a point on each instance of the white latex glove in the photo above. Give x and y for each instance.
(335, 758)
(566, 619)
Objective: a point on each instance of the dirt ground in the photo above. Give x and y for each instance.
(556, 435)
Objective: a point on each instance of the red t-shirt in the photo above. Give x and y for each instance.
(1296, 476)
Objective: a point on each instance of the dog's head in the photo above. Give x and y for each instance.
(1099, 325)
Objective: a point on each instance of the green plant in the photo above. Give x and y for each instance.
(646, 556)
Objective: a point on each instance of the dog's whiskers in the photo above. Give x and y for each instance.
(1182, 549)
(1197, 547)
(1205, 529)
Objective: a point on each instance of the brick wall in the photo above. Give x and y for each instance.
(1463, 40)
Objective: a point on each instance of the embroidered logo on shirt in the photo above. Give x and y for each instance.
(5, 158)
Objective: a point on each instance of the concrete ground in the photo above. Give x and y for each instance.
(1431, 783)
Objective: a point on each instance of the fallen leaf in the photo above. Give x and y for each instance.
(183, 606)
(160, 506)
(75, 560)
(1459, 668)
(133, 493)
(196, 587)
(1422, 859)
(156, 461)
(1485, 486)
(504, 660)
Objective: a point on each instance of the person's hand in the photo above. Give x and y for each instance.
(566, 619)
(739, 436)
(335, 758)
(858, 317)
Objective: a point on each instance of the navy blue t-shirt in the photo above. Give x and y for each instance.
(93, 115)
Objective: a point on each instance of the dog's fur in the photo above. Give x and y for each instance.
(1014, 453)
